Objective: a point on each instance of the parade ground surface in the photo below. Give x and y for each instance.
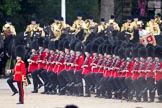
(55, 101)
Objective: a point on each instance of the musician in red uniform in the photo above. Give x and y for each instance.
(19, 74)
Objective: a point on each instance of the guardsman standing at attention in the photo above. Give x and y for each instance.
(19, 74)
(9, 25)
(112, 25)
(153, 27)
(78, 24)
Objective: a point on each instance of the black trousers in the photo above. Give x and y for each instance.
(36, 79)
(10, 82)
(21, 91)
(53, 79)
(142, 85)
(151, 85)
(159, 89)
(71, 76)
(88, 83)
(78, 76)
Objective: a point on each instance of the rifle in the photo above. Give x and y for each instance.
(94, 60)
(50, 58)
(141, 66)
(31, 57)
(122, 66)
(148, 66)
(157, 66)
(135, 66)
(86, 61)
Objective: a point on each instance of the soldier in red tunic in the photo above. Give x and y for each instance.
(158, 71)
(41, 54)
(19, 74)
(150, 80)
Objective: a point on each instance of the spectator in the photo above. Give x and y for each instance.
(142, 7)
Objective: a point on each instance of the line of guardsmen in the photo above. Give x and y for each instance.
(120, 70)
(58, 26)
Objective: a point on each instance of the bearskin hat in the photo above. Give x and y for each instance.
(88, 48)
(113, 49)
(56, 44)
(60, 46)
(116, 50)
(158, 52)
(100, 51)
(51, 45)
(79, 46)
(66, 44)
(34, 45)
(99, 40)
(150, 50)
(142, 52)
(108, 49)
(121, 52)
(20, 51)
(135, 52)
(40, 41)
(73, 43)
(104, 48)
(94, 47)
(45, 43)
(128, 52)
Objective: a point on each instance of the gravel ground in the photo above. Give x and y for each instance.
(54, 101)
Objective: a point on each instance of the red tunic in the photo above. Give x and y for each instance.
(107, 73)
(60, 66)
(95, 69)
(51, 66)
(151, 73)
(79, 63)
(33, 66)
(115, 72)
(129, 69)
(19, 70)
(142, 74)
(135, 75)
(42, 57)
(87, 69)
(158, 74)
